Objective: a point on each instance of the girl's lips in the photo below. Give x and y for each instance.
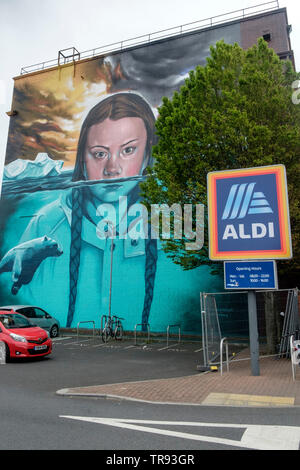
(112, 185)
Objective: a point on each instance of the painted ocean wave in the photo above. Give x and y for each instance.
(54, 183)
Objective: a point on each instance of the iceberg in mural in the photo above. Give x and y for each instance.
(43, 165)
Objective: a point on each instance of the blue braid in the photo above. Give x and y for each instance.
(75, 248)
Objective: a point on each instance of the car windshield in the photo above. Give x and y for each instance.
(11, 321)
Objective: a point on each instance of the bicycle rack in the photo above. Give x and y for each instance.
(294, 353)
(105, 318)
(141, 324)
(223, 340)
(291, 354)
(179, 333)
(88, 321)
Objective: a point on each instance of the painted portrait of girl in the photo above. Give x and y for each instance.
(72, 278)
(114, 144)
(114, 149)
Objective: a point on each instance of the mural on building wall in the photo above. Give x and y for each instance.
(77, 149)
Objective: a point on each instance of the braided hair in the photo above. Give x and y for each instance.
(150, 271)
(114, 107)
(75, 249)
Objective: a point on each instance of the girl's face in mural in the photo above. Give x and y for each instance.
(115, 149)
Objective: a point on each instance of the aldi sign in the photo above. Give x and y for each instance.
(248, 214)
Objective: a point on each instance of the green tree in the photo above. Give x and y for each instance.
(234, 112)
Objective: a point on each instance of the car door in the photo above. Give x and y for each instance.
(29, 313)
(35, 315)
(40, 318)
(2, 346)
(2, 335)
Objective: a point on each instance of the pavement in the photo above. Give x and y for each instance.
(275, 386)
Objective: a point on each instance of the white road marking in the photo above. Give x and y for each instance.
(61, 338)
(258, 437)
(168, 347)
(77, 342)
(85, 340)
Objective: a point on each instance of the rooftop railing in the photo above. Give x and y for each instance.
(74, 55)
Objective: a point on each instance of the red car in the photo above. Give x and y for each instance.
(21, 338)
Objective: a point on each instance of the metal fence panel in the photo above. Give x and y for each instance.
(225, 314)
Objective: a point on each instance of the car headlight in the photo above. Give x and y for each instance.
(18, 338)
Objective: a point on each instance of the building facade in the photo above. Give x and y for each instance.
(73, 237)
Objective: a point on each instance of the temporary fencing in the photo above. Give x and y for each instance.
(225, 314)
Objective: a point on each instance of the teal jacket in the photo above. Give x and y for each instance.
(173, 293)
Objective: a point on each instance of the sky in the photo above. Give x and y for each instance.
(33, 31)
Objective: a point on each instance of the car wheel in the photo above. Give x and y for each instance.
(119, 332)
(7, 353)
(106, 334)
(54, 332)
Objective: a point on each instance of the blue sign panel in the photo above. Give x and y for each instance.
(250, 275)
(248, 217)
(248, 214)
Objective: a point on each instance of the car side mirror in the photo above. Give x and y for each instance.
(48, 316)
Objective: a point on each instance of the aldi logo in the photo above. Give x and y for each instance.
(248, 214)
(242, 201)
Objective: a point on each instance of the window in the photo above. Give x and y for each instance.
(267, 37)
(39, 313)
(28, 312)
(14, 320)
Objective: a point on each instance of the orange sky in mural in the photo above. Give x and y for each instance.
(52, 108)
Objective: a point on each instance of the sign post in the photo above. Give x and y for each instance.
(251, 275)
(248, 219)
(253, 333)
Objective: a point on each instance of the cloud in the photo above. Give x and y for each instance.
(158, 69)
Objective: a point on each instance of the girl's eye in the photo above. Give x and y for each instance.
(100, 154)
(128, 151)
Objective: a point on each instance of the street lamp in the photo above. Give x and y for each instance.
(110, 231)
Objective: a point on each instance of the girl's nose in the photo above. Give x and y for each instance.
(112, 166)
